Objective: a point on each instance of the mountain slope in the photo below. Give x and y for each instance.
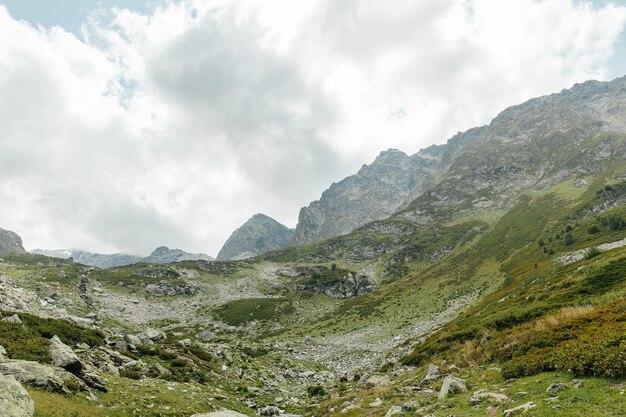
(260, 234)
(531, 145)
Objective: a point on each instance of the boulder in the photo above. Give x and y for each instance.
(395, 411)
(185, 342)
(519, 410)
(432, 374)
(14, 400)
(270, 410)
(132, 339)
(15, 319)
(555, 388)
(63, 356)
(376, 403)
(153, 335)
(376, 380)
(205, 335)
(3, 354)
(49, 378)
(452, 385)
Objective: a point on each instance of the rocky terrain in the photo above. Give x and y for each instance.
(260, 234)
(493, 286)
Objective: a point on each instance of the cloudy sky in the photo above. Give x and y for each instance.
(129, 124)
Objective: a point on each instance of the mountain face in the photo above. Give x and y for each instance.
(165, 255)
(258, 235)
(533, 145)
(10, 243)
(161, 255)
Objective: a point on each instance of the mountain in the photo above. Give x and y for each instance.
(523, 147)
(161, 255)
(165, 255)
(373, 193)
(100, 260)
(260, 234)
(10, 243)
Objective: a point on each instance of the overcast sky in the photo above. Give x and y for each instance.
(125, 125)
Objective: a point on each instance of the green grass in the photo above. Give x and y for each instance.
(30, 340)
(239, 312)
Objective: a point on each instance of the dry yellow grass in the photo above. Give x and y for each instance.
(563, 316)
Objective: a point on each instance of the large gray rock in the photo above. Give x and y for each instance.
(14, 400)
(432, 374)
(452, 385)
(49, 378)
(63, 356)
(3, 354)
(15, 319)
(260, 234)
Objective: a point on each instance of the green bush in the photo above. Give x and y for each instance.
(315, 391)
(616, 222)
(593, 229)
(592, 252)
(569, 239)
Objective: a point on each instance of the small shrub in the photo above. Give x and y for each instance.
(540, 242)
(569, 239)
(616, 222)
(592, 252)
(315, 391)
(593, 229)
(130, 374)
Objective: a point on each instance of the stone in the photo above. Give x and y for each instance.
(395, 411)
(158, 369)
(154, 334)
(185, 342)
(63, 356)
(14, 399)
(376, 403)
(410, 406)
(479, 397)
(432, 374)
(132, 339)
(376, 380)
(15, 319)
(452, 385)
(576, 383)
(554, 388)
(93, 380)
(3, 354)
(36, 375)
(349, 408)
(519, 410)
(205, 335)
(269, 410)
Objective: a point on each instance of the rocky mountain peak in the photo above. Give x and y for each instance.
(10, 243)
(256, 236)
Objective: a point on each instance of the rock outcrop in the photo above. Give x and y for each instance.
(14, 400)
(260, 234)
(10, 243)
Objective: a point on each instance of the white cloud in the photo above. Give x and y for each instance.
(174, 127)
